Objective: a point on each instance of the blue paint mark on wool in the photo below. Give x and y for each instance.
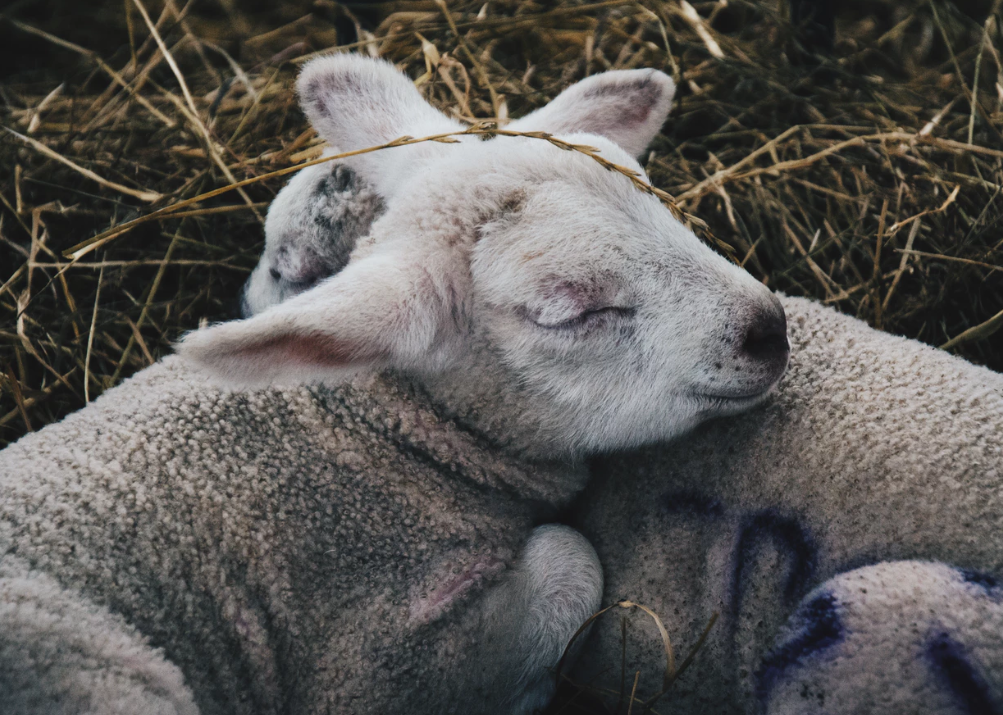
(979, 578)
(790, 538)
(969, 688)
(820, 629)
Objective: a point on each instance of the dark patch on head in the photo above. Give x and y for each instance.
(953, 668)
(979, 578)
(692, 503)
(329, 224)
(513, 203)
(791, 540)
(297, 271)
(327, 91)
(820, 629)
(338, 181)
(508, 208)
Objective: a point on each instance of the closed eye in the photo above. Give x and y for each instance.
(304, 283)
(590, 318)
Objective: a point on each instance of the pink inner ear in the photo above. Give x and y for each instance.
(310, 350)
(633, 103)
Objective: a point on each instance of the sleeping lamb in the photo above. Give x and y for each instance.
(901, 590)
(874, 448)
(189, 544)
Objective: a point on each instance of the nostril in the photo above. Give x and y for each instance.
(766, 338)
(274, 273)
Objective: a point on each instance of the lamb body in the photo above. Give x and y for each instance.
(894, 637)
(352, 548)
(873, 448)
(320, 573)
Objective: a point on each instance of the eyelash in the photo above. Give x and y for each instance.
(590, 316)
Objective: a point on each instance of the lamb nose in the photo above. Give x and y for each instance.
(766, 338)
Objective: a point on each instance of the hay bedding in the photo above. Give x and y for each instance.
(871, 179)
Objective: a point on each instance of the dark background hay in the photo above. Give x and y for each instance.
(869, 177)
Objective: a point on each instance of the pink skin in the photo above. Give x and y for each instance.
(427, 607)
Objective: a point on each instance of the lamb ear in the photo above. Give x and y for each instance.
(628, 107)
(356, 102)
(383, 311)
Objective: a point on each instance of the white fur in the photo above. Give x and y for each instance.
(625, 106)
(531, 619)
(530, 290)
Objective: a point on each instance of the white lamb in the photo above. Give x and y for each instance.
(900, 675)
(873, 449)
(350, 547)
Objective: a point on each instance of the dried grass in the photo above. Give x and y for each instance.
(871, 180)
(585, 697)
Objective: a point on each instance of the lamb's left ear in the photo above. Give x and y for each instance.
(628, 107)
(387, 310)
(356, 102)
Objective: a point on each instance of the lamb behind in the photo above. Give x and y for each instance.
(311, 229)
(351, 547)
(873, 448)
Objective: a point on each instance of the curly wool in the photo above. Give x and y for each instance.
(873, 448)
(301, 550)
(895, 637)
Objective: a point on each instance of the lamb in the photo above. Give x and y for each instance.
(311, 229)
(859, 658)
(329, 507)
(318, 217)
(874, 449)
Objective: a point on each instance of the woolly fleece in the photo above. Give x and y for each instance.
(897, 637)
(873, 448)
(301, 550)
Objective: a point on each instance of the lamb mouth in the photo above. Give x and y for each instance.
(737, 398)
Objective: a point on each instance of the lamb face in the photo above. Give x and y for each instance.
(538, 297)
(311, 229)
(604, 305)
(317, 218)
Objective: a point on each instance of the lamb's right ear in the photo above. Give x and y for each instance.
(387, 310)
(628, 107)
(356, 102)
